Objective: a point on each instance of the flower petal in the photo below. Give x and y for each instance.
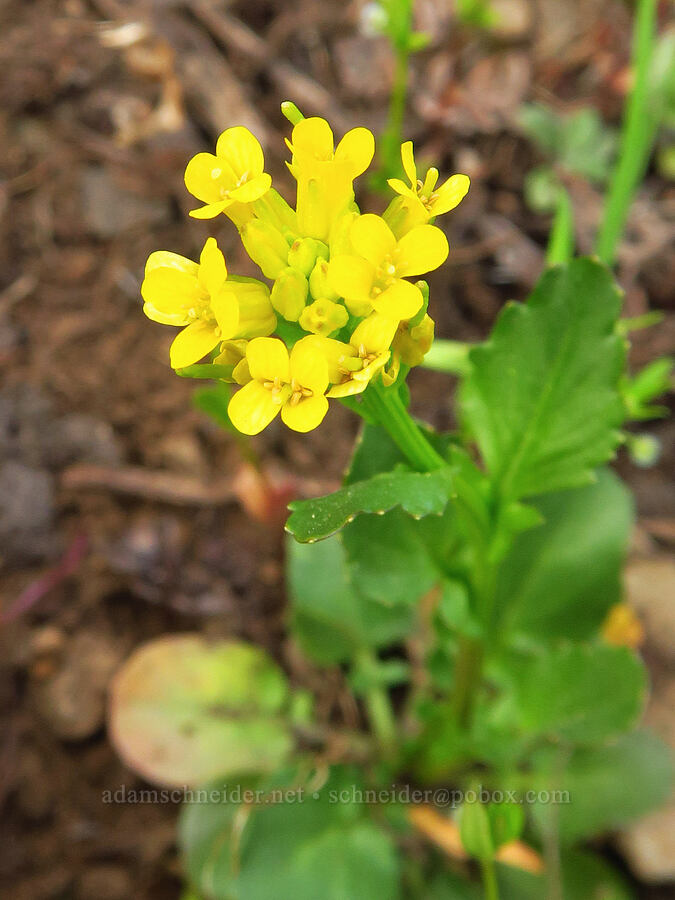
(193, 343)
(351, 277)
(165, 259)
(408, 160)
(242, 151)
(252, 408)
(401, 300)
(421, 250)
(225, 307)
(212, 268)
(401, 187)
(375, 333)
(170, 290)
(268, 359)
(372, 238)
(305, 415)
(253, 189)
(309, 366)
(450, 194)
(357, 148)
(206, 176)
(211, 210)
(312, 138)
(177, 318)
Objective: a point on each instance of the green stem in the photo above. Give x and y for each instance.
(448, 356)
(561, 241)
(468, 670)
(378, 705)
(489, 879)
(386, 407)
(637, 135)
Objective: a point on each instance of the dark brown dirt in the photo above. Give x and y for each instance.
(95, 133)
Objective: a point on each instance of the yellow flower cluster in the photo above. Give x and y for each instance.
(340, 300)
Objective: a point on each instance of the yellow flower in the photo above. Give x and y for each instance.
(622, 627)
(235, 175)
(374, 278)
(436, 201)
(325, 175)
(294, 386)
(323, 317)
(178, 291)
(352, 366)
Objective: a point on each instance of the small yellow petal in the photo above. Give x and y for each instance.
(252, 408)
(305, 415)
(401, 300)
(242, 151)
(211, 210)
(212, 268)
(170, 290)
(312, 138)
(408, 160)
(375, 333)
(400, 187)
(449, 194)
(165, 259)
(351, 277)
(268, 359)
(372, 238)
(225, 308)
(253, 189)
(193, 343)
(206, 177)
(309, 366)
(357, 148)
(421, 250)
(178, 318)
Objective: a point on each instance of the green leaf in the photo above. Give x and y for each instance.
(418, 493)
(584, 876)
(389, 559)
(184, 711)
(581, 693)
(649, 383)
(475, 832)
(330, 619)
(318, 843)
(606, 786)
(560, 579)
(542, 397)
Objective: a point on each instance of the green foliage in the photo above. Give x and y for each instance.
(580, 693)
(418, 493)
(484, 828)
(330, 618)
(321, 844)
(542, 397)
(606, 786)
(560, 579)
(579, 143)
(478, 13)
(640, 390)
(185, 711)
(584, 876)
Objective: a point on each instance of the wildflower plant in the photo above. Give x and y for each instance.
(477, 572)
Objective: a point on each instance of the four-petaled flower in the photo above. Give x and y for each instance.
(234, 175)
(435, 201)
(294, 386)
(178, 291)
(374, 279)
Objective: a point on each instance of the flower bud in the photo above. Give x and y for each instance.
(412, 343)
(305, 252)
(319, 285)
(323, 317)
(289, 293)
(266, 246)
(256, 315)
(273, 209)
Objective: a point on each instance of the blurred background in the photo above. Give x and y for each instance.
(125, 513)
